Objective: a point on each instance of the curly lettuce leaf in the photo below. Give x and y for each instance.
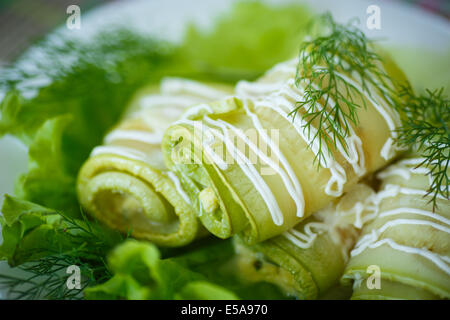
(140, 273)
(87, 86)
(248, 40)
(31, 232)
(48, 181)
(202, 290)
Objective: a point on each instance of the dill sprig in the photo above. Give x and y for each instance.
(337, 70)
(46, 277)
(426, 129)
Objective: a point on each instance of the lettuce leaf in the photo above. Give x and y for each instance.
(31, 232)
(88, 87)
(248, 40)
(48, 181)
(202, 290)
(140, 273)
(21, 221)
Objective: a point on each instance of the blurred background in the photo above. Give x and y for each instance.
(22, 22)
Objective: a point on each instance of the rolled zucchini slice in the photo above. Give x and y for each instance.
(250, 168)
(125, 183)
(407, 241)
(309, 259)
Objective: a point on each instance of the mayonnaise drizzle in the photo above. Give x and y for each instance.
(306, 238)
(392, 190)
(371, 240)
(405, 168)
(330, 219)
(414, 211)
(250, 171)
(291, 181)
(439, 260)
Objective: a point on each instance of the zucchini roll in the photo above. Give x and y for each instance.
(308, 260)
(407, 243)
(255, 164)
(125, 183)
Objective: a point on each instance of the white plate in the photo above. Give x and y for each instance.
(402, 26)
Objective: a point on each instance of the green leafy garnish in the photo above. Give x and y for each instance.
(140, 273)
(331, 98)
(43, 243)
(426, 129)
(247, 41)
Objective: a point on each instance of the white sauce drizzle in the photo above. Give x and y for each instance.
(405, 168)
(374, 235)
(439, 260)
(291, 182)
(392, 190)
(252, 174)
(414, 211)
(306, 238)
(331, 218)
(372, 241)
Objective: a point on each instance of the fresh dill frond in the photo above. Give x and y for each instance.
(46, 277)
(426, 129)
(337, 70)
